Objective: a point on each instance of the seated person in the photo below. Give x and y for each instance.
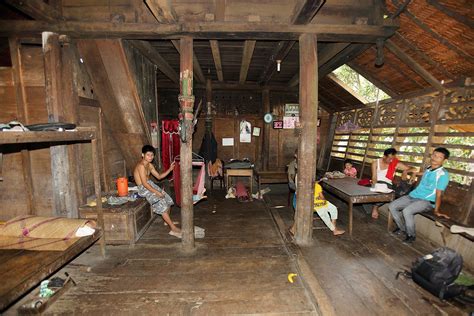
(292, 172)
(159, 200)
(349, 169)
(426, 196)
(326, 210)
(383, 171)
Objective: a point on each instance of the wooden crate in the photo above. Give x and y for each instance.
(124, 224)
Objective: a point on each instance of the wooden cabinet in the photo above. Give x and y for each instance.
(124, 224)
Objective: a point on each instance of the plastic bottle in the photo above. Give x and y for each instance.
(122, 186)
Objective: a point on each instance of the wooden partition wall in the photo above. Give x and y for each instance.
(415, 126)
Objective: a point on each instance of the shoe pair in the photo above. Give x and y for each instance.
(408, 240)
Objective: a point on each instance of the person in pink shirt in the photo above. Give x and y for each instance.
(349, 169)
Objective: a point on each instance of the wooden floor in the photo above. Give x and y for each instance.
(358, 274)
(240, 267)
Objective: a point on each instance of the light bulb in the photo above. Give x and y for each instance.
(278, 65)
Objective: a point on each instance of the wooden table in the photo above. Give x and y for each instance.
(239, 173)
(349, 191)
(270, 177)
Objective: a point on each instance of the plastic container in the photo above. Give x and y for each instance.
(122, 186)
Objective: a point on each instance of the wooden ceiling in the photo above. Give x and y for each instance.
(238, 42)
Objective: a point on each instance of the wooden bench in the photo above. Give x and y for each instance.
(21, 270)
(270, 177)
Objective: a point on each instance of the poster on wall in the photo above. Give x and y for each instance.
(227, 141)
(277, 124)
(256, 131)
(245, 132)
(290, 122)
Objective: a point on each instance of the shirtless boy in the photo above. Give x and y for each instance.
(159, 200)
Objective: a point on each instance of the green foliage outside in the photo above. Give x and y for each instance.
(359, 84)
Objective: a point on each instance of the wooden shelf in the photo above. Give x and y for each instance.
(82, 134)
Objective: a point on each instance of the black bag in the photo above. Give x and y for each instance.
(403, 188)
(437, 271)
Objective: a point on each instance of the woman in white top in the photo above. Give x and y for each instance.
(383, 171)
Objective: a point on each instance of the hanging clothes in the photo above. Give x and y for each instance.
(170, 146)
(208, 148)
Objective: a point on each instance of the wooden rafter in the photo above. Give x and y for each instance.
(216, 54)
(399, 69)
(435, 35)
(202, 30)
(410, 62)
(150, 52)
(197, 70)
(346, 55)
(36, 9)
(378, 83)
(451, 13)
(162, 10)
(419, 52)
(305, 12)
(328, 52)
(249, 46)
(279, 53)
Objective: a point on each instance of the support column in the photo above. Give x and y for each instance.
(65, 200)
(266, 129)
(307, 144)
(208, 124)
(186, 100)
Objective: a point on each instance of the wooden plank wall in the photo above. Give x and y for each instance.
(12, 188)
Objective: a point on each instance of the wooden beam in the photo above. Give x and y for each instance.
(233, 85)
(186, 99)
(451, 13)
(198, 74)
(378, 83)
(36, 9)
(220, 10)
(150, 52)
(346, 55)
(65, 199)
(216, 54)
(279, 53)
(410, 62)
(22, 114)
(307, 147)
(305, 11)
(202, 30)
(458, 50)
(162, 10)
(247, 54)
(326, 54)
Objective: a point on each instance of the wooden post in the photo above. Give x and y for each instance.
(65, 200)
(307, 144)
(266, 129)
(208, 122)
(21, 110)
(98, 192)
(186, 100)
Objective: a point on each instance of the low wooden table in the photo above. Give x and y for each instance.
(349, 191)
(239, 173)
(270, 177)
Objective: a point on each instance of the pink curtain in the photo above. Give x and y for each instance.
(169, 142)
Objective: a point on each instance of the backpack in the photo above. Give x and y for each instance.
(437, 271)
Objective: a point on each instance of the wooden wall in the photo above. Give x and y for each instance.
(13, 199)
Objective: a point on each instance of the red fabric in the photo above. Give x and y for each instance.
(170, 145)
(392, 167)
(364, 182)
